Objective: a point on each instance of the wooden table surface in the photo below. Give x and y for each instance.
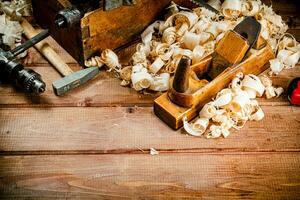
(94, 144)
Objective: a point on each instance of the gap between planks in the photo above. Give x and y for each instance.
(91, 94)
(205, 151)
(109, 130)
(185, 176)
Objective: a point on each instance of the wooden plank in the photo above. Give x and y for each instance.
(134, 129)
(165, 176)
(91, 94)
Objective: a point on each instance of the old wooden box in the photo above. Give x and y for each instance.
(99, 29)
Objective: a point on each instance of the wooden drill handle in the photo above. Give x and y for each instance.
(45, 49)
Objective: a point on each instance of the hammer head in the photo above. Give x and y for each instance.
(64, 85)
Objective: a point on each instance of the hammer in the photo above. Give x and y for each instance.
(71, 79)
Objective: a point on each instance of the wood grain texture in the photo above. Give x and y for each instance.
(91, 94)
(177, 176)
(50, 149)
(121, 129)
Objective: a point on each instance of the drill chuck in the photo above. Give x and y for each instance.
(27, 79)
(68, 17)
(12, 70)
(31, 81)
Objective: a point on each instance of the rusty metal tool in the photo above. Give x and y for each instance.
(186, 96)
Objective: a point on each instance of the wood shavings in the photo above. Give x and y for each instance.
(239, 101)
(108, 58)
(161, 82)
(140, 78)
(197, 128)
(270, 91)
(153, 152)
(216, 4)
(250, 8)
(201, 25)
(16, 8)
(139, 57)
(111, 60)
(94, 62)
(195, 34)
(10, 31)
(156, 65)
(288, 54)
(203, 12)
(292, 60)
(208, 111)
(125, 73)
(276, 66)
(253, 86)
(215, 131)
(231, 8)
(214, 30)
(232, 107)
(198, 54)
(191, 40)
(257, 115)
(266, 81)
(279, 91)
(169, 35)
(223, 99)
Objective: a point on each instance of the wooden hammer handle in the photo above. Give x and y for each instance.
(44, 48)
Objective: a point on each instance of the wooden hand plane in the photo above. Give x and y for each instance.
(190, 90)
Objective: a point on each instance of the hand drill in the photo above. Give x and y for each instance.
(68, 17)
(12, 70)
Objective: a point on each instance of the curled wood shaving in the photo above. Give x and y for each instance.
(197, 128)
(233, 107)
(94, 62)
(169, 35)
(108, 58)
(140, 78)
(153, 152)
(223, 99)
(10, 31)
(253, 86)
(156, 65)
(231, 8)
(161, 82)
(198, 54)
(125, 73)
(250, 8)
(215, 4)
(16, 9)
